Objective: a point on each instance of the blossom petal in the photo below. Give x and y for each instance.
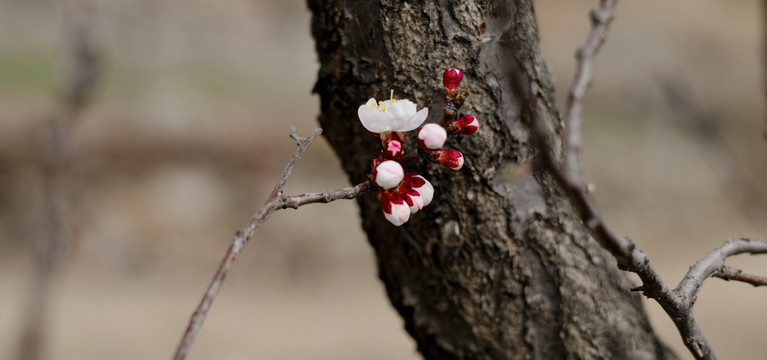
(400, 214)
(371, 118)
(416, 120)
(426, 191)
(398, 112)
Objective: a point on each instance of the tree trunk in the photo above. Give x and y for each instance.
(498, 266)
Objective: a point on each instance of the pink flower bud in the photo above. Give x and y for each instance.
(431, 137)
(450, 80)
(451, 159)
(388, 174)
(466, 125)
(412, 198)
(395, 210)
(422, 186)
(393, 145)
(393, 150)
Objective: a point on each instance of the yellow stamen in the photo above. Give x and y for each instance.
(382, 104)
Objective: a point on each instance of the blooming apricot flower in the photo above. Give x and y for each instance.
(391, 115)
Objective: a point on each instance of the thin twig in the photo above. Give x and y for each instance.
(324, 197)
(275, 201)
(676, 303)
(730, 273)
(600, 21)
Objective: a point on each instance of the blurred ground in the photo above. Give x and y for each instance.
(189, 132)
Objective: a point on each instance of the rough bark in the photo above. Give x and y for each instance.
(498, 266)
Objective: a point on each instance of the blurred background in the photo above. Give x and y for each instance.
(188, 129)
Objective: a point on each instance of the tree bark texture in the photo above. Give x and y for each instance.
(497, 266)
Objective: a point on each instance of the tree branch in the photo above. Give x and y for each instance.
(730, 273)
(713, 265)
(600, 20)
(275, 201)
(676, 303)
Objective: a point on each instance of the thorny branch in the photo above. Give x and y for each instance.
(275, 201)
(677, 303)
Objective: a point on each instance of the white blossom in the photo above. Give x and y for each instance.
(391, 115)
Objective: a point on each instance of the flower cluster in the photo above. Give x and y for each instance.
(404, 194)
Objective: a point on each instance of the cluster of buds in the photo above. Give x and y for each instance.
(401, 194)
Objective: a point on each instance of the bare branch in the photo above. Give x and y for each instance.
(275, 201)
(600, 20)
(324, 197)
(730, 273)
(713, 265)
(294, 135)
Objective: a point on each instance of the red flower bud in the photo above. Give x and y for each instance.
(466, 125)
(450, 80)
(451, 159)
